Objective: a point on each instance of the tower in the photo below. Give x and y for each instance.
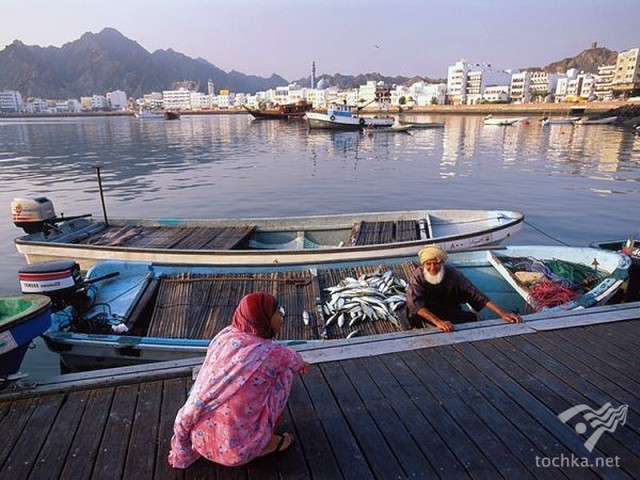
(313, 74)
(210, 89)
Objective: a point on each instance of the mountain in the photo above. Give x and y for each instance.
(106, 61)
(587, 61)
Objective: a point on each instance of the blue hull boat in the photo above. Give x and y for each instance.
(144, 312)
(22, 318)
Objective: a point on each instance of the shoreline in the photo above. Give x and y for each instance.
(591, 108)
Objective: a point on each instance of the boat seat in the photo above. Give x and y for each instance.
(375, 233)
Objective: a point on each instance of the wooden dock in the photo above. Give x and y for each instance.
(448, 407)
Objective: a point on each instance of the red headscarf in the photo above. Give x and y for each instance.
(254, 313)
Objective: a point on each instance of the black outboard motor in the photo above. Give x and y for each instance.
(60, 280)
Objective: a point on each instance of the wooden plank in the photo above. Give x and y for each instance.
(32, 437)
(311, 437)
(345, 447)
(379, 455)
(602, 343)
(395, 433)
(550, 390)
(174, 395)
(52, 456)
(112, 453)
(141, 454)
(484, 439)
(12, 425)
(566, 441)
(518, 446)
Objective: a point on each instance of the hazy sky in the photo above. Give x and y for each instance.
(393, 37)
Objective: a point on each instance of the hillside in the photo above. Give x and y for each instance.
(106, 61)
(587, 61)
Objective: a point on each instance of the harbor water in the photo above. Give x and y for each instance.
(575, 184)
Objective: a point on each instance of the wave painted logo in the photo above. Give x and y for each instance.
(606, 419)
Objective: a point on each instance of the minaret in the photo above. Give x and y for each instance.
(210, 89)
(313, 74)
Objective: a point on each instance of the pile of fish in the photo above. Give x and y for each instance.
(367, 298)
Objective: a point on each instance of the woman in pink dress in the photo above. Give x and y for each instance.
(240, 392)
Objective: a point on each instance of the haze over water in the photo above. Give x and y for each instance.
(576, 183)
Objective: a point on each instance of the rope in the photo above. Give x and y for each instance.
(546, 234)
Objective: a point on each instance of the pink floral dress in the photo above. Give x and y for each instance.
(236, 400)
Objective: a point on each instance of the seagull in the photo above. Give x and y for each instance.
(376, 46)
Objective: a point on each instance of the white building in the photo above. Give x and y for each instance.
(520, 87)
(496, 94)
(457, 83)
(200, 101)
(117, 100)
(604, 82)
(479, 77)
(35, 105)
(542, 85)
(99, 102)
(581, 88)
(152, 101)
(11, 101)
(176, 99)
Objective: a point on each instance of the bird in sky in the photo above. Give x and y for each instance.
(376, 46)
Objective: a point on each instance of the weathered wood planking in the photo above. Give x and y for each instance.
(483, 409)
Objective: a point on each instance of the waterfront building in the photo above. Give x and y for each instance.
(581, 88)
(99, 102)
(176, 99)
(200, 101)
(367, 92)
(11, 101)
(152, 101)
(317, 97)
(117, 100)
(424, 94)
(520, 87)
(85, 103)
(479, 77)
(542, 85)
(457, 83)
(35, 105)
(604, 82)
(211, 88)
(496, 94)
(225, 99)
(626, 81)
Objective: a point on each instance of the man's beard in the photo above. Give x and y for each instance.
(433, 279)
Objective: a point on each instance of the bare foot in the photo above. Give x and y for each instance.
(277, 443)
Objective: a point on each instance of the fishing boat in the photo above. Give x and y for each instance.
(491, 120)
(571, 117)
(344, 117)
(143, 113)
(22, 318)
(291, 110)
(169, 115)
(631, 248)
(261, 241)
(596, 121)
(137, 312)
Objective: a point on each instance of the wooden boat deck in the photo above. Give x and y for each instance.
(474, 409)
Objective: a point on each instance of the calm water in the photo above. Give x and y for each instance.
(576, 183)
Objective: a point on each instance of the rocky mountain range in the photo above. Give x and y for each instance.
(107, 61)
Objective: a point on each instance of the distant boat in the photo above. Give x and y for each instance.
(491, 120)
(596, 121)
(291, 110)
(140, 312)
(571, 117)
(144, 113)
(343, 117)
(170, 115)
(421, 124)
(254, 241)
(22, 318)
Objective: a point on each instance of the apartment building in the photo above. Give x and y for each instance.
(457, 82)
(604, 82)
(520, 87)
(11, 101)
(542, 85)
(177, 99)
(626, 80)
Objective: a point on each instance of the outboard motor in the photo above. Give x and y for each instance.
(33, 215)
(60, 280)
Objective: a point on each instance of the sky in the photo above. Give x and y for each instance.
(392, 37)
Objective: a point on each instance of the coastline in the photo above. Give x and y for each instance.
(534, 109)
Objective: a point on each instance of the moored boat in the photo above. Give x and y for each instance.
(261, 241)
(631, 248)
(170, 115)
(491, 120)
(596, 121)
(344, 117)
(559, 121)
(141, 312)
(22, 318)
(144, 113)
(292, 110)
(421, 124)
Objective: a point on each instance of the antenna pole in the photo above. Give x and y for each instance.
(102, 204)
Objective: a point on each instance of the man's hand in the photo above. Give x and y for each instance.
(444, 325)
(511, 318)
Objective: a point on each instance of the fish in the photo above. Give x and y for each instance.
(355, 333)
(305, 317)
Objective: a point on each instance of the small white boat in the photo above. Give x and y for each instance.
(344, 117)
(141, 312)
(559, 121)
(596, 121)
(425, 125)
(491, 120)
(144, 113)
(253, 241)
